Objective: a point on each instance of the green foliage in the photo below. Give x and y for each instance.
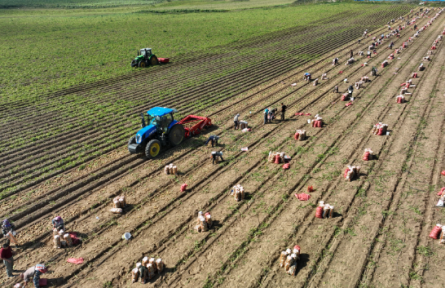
(61, 48)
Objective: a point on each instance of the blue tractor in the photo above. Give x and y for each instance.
(161, 130)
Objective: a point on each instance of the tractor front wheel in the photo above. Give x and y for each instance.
(142, 64)
(176, 134)
(152, 149)
(154, 60)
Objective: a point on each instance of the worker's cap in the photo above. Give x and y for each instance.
(58, 218)
(41, 268)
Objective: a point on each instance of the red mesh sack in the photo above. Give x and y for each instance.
(434, 234)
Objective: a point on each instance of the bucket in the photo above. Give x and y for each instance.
(126, 236)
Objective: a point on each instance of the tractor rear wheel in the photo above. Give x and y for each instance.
(152, 149)
(154, 60)
(176, 134)
(142, 64)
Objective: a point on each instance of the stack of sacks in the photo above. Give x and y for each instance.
(288, 260)
(171, 169)
(324, 210)
(237, 192)
(367, 155)
(119, 204)
(300, 135)
(317, 122)
(380, 129)
(351, 172)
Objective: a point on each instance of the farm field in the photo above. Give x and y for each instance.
(77, 161)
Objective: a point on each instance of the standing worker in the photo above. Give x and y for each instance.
(6, 254)
(352, 54)
(283, 111)
(213, 139)
(236, 121)
(8, 231)
(58, 223)
(34, 274)
(266, 112)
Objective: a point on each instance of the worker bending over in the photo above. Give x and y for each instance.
(33, 273)
(8, 230)
(215, 155)
(213, 139)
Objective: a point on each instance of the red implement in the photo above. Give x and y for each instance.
(193, 125)
(163, 60)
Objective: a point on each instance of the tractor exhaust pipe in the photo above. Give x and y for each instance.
(143, 120)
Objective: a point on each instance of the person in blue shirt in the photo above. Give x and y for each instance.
(266, 113)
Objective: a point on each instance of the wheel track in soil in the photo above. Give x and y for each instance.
(276, 101)
(47, 177)
(364, 262)
(368, 274)
(430, 265)
(337, 261)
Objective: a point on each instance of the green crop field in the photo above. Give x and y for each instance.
(47, 50)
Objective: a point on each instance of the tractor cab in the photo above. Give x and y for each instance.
(146, 52)
(158, 129)
(161, 119)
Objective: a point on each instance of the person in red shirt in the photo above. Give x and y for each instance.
(6, 254)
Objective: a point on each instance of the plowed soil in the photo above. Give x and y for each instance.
(378, 236)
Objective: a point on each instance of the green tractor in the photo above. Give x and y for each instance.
(145, 58)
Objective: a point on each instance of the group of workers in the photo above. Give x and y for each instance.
(269, 113)
(7, 254)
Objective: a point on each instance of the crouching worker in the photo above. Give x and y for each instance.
(33, 274)
(58, 223)
(8, 230)
(350, 90)
(215, 155)
(213, 139)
